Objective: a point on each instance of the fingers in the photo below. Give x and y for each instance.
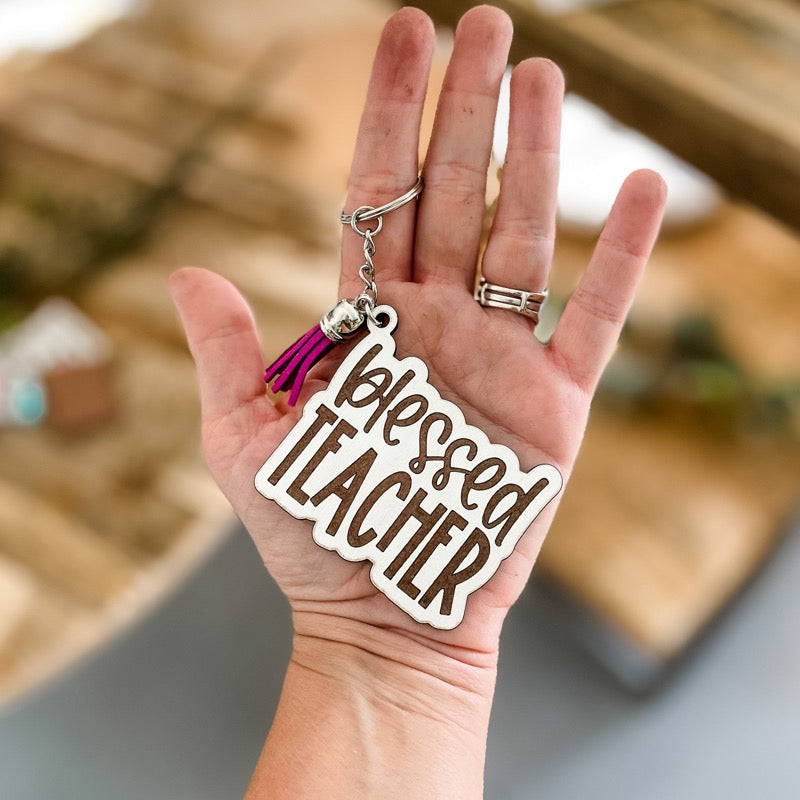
(520, 247)
(385, 162)
(452, 205)
(222, 338)
(587, 333)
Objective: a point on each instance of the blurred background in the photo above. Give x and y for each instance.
(142, 645)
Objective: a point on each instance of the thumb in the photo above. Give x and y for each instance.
(222, 338)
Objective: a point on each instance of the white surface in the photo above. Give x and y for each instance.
(564, 6)
(597, 153)
(49, 24)
(56, 334)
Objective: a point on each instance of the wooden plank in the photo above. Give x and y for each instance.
(47, 181)
(56, 623)
(714, 82)
(131, 54)
(663, 523)
(65, 131)
(17, 589)
(236, 32)
(58, 548)
(135, 52)
(111, 98)
(133, 295)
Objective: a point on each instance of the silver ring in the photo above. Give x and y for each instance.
(490, 295)
(366, 213)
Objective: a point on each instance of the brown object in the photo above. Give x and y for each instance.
(715, 81)
(79, 397)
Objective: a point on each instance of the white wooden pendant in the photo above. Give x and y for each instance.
(390, 472)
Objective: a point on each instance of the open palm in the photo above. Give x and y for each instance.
(533, 399)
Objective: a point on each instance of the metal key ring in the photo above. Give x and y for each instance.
(366, 213)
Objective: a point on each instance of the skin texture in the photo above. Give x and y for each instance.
(374, 703)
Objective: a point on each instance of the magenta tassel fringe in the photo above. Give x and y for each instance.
(290, 368)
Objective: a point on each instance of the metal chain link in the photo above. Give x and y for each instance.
(367, 299)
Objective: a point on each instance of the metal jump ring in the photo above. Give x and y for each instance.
(354, 219)
(367, 213)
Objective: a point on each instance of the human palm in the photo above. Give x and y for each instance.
(531, 398)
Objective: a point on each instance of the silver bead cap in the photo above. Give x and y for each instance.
(342, 321)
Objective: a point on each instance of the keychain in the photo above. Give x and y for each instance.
(347, 317)
(390, 472)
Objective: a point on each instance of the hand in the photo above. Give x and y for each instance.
(532, 398)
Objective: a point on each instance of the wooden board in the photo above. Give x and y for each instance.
(97, 528)
(715, 81)
(266, 216)
(674, 504)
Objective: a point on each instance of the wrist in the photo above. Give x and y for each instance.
(368, 705)
(397, 654)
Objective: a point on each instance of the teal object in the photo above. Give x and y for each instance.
(28, 401)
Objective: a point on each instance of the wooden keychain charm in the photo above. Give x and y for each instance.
(391, 473)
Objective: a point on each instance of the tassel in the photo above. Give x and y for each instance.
(289, 370)
(291, 367)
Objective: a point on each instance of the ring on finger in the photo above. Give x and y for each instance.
(490, 295)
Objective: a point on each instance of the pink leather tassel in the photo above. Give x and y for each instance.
(290, 368)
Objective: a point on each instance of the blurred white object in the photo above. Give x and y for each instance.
(563, 6)
(55, 335)
(50, 24)
(597, 153)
